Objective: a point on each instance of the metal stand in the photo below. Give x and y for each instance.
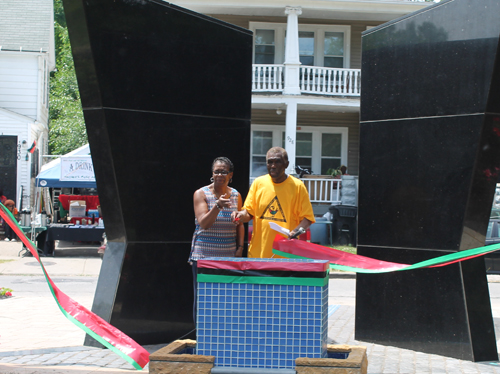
(24, 252)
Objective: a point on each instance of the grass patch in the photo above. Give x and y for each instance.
(3, 261)
(345, 248)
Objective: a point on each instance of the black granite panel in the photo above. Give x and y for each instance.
(483, 184)
(109, 198)
(387, 297)
(160, 159)
(154, 300)
(494, 95)
(153, 290)
(478, 307)
(150, 55)
(109, 279)
(429, 163)
(417, 176)
(436, 62)
(164, 91)
(423, 309)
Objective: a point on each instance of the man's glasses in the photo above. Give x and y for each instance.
(221, 172)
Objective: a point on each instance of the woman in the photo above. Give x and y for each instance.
(215, 235)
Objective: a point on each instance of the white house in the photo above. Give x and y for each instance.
(306, 76)
(27, 56)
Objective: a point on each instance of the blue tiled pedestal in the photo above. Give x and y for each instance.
(261, 313)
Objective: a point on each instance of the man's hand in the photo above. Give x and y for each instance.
(294, 234)
(241, 216)
(236, 217)
(300, 229)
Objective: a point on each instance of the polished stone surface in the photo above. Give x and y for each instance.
(429, 163)
(164, 91)
(436, 62)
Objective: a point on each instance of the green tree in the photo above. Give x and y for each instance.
(66, 123)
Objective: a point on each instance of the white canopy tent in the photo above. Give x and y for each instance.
(51, 173)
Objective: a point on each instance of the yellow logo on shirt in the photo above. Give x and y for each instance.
(273, 211)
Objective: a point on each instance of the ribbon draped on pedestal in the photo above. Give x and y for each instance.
(263, 271)
(346, 261)
(92, 324)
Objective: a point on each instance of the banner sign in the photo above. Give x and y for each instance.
(77, 168)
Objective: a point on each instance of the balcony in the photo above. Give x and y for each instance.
(313, 80)
(267, 78)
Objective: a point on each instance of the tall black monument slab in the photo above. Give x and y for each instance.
(429, 162)
(164, 91)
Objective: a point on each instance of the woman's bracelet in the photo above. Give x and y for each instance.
(217, 205)
(239, 246)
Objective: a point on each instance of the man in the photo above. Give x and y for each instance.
(276, 197)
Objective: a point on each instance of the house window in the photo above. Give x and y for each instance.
(303, 149)
(331, 152)
(262, 141)
(316, 148)
(334, 50)
(306, 47)
(319, 45)
(264, 46)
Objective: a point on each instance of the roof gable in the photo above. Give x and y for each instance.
(26, 25)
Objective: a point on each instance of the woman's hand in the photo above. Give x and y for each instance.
(224, 202)
(239, 251)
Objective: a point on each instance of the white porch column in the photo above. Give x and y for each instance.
(291, 135)
(292, 56)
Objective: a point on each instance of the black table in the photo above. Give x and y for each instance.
(71, 234)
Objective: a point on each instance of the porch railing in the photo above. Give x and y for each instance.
(330, 81)
(267, 78)
(313, 80)
(321, 190)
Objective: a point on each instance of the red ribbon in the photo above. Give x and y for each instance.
(92, 324)
(348, 261)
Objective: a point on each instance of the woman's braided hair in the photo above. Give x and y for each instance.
(224, 160)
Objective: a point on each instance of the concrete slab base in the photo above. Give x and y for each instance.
(356, 362)
(172, 359)
(178, 358)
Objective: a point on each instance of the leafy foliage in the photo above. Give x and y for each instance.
(67, 125)
(6, 292)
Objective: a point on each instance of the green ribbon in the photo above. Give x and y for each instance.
(434, 262)
(287, 281)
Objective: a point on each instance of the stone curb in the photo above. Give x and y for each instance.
(342, 275)
(43, 351)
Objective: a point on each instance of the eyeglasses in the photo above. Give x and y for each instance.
(221, 172)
